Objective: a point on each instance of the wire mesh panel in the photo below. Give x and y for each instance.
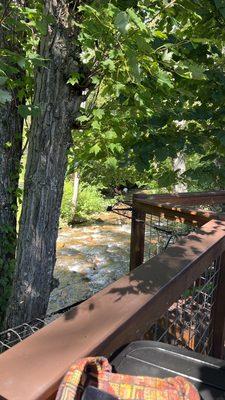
(189, 322)
(161, 232)
(12, 336)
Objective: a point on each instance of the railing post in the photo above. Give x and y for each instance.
(218, 323)
(137, 243)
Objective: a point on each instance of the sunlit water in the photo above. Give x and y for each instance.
(89, 258)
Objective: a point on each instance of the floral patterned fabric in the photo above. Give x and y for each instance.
(96, 371)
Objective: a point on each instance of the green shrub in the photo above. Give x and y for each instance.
(90, 201)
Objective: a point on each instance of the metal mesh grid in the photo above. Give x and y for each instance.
(160, 233)
(188, 322)
(12, 336)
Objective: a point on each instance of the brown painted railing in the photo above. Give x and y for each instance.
(190, 199)
(118, 314)
(169, 207)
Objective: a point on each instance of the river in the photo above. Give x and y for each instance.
(89, 257)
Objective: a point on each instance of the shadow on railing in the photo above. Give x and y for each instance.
(188, 276)
(158, 221)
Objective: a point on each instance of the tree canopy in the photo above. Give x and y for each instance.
(136, 82)
(158, 71)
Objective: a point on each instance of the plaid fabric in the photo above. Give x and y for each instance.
(96, 371)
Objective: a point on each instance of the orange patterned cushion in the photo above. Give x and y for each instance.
(96, 371)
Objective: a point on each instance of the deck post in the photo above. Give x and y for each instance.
(218, 322)
(137, 243)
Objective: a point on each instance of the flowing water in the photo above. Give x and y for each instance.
(89, 258)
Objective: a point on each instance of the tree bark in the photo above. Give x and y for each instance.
(10, 154)
(50, 139)
(11, 127)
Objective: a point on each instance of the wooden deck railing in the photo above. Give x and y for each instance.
(171, 207)
(118, 314)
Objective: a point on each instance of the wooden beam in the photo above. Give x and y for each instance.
(118, 314)
(137, 243)
(191, 198)
(218, 317)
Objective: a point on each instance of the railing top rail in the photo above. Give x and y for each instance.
(178, 213)
(33, 369)
(191, 198)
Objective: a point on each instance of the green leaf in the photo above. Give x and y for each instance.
(109, 64)
(111, 134)
(112, 146)
(82, 118)
(95, 149)
(74, 79)
(96, 125)
(190, 70)
(167, 56)
(159, 34)
(36, 59)
(98, 113)
(42, 26)
(30, 13)
(134, 66)
(95, 80)
(111, 162)
(8, 145)
(197, 72)
(164, 78)
(5, 96)
(115, 147)
(137, 20)
(122, 22)
(21, 62)
(124, 4)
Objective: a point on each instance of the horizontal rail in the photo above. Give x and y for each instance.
(179, 214)
(118, 314)
(191, 198)
(170, 207)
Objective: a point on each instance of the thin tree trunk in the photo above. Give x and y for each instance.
(179, 166)
(50, 139)
(10, 154)
(75, 190)
(11, 127)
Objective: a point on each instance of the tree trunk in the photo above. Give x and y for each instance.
(75, 190)
(10, 154)
(50, 139)
(180, 166)
(11, 127)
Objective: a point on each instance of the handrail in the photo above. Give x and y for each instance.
(118, 314)
(185, 215)
(189, 198)
(169, 206)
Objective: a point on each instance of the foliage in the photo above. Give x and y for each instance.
(155, 70)
(159, 76)
(67, 209)
(90, 201)
(22, 28)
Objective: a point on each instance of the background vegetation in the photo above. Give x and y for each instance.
(118, 88)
